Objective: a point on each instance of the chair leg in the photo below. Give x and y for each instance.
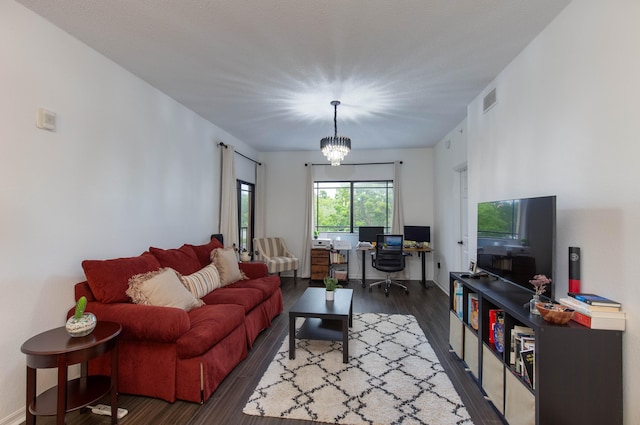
(295, 277)
(387, 284)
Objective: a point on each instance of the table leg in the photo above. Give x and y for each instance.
(364, 266)
(292, 336)
(423, 257)
(114, 384)
(345, 340)
(31, 394)
(61, 407)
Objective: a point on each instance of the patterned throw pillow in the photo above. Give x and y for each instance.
(161, 288)
(227, 264)
(203, 281)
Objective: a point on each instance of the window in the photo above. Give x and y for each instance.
(345, 206)
(246, 199)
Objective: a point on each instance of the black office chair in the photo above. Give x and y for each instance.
(388, 257)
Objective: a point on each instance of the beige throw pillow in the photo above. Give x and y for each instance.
(227, 264)
(161, 288)
(203, 281)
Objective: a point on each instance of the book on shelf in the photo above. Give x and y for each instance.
(595, 322)
(589, 310)
(473, 310)
(528, 360)
(595, 300)
(493, 319)
(517, 333)
(457, 299)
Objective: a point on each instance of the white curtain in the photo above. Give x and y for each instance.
(260, 228)
(229, 198)
(397, 224)
(305, 265)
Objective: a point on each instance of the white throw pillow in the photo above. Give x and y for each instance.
(161, 288)
(227, 264)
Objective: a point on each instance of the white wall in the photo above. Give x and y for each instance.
(286, 180)
(566, 124)
(128, 168)
(450, 157)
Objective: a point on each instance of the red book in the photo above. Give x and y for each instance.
(492, 322)
(608, 323)
(583, 319)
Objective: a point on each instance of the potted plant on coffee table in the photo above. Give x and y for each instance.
(331, 284)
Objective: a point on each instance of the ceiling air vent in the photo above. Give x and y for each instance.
(489, 100)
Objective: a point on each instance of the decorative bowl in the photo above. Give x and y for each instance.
(555, 313)
(82, 326)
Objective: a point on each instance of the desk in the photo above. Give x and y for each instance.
(55, 348)
(422, 253)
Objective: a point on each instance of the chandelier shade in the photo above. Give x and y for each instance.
(333, 147)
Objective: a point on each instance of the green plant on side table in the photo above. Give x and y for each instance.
(331, 284)
(81, 323)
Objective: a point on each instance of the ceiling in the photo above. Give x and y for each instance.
(266, 70)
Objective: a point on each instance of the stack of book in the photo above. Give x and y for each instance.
(595, 312)
(522, 353)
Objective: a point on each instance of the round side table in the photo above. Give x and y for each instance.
(55, 348)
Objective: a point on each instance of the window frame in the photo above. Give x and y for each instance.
(389, 185)
(251, 210)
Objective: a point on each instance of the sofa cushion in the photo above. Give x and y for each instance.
(254, 269)
(209, 325)
(248, 298)
(161, 288)
(227, 264)
(203, 281)
(109, 279)
(203, 252)
(183, 260)
(267, 285)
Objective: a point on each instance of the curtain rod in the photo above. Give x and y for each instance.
(357, 163)
(244, 156)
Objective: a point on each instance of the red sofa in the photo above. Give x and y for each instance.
(170, 353)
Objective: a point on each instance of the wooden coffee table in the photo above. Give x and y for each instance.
(325, 320)
(55, 348)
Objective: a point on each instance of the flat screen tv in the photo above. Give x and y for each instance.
(517, 240)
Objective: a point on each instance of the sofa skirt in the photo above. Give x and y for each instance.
(198, 377)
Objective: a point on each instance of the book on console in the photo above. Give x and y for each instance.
(589, 310)
(596, 300)
(604, 323)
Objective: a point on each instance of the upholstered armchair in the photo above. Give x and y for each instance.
(274, 252)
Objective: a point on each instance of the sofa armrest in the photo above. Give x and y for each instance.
(254, 270)
(142, 322)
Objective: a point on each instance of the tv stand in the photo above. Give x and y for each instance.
(577, 376)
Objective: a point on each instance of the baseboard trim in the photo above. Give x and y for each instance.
(16, 418)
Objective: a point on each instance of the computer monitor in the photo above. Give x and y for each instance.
(392, 241)
(417, 233)
(369, 233)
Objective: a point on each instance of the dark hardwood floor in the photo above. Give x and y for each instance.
(429, 306)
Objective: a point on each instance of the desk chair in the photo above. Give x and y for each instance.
(388, 257)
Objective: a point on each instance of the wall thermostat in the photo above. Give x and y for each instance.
(46, 119)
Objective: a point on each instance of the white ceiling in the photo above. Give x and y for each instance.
(266, 70)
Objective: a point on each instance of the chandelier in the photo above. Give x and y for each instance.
(335, 148)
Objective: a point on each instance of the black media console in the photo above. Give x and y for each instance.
(578, 371)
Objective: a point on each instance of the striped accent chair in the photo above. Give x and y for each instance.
(275, 254)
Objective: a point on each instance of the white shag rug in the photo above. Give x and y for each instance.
(393, 377)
